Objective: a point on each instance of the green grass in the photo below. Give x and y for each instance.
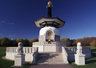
(6, 63)
(90, 63)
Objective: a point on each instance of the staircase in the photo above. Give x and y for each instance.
(50, 58)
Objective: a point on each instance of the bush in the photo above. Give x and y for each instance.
(93, 43)
(5, 42)
(66, 41)
(32, 40)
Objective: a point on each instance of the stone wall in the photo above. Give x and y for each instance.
(48, 47)
(72, 50)
(30, 53)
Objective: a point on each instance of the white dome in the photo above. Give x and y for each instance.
(45, 29)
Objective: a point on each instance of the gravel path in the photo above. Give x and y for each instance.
(51, 66)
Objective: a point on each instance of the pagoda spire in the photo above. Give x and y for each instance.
(49, 6)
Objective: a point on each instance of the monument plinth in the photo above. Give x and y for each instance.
(20, 57)
(79, 56)
(49, 38)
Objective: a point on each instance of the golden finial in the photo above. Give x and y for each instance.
(49, 4)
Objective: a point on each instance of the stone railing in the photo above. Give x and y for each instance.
(45, 43)
(30, 53)
(65, 55)
(72, 50)
(25, 49)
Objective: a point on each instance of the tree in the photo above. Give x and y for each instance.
(67, 41)
(93, 43)
(73, 42)
(0, 42)
(33, 40)
(19, 40)
(26, 42)
(5, 41)
(85, 41)
(14, 43)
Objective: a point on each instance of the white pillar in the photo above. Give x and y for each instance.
(80, 59)
(79, 56)
(20, 57)
(19, 60)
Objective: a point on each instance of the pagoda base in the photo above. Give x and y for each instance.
(46, 47)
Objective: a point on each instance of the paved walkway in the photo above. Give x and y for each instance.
(51, 66)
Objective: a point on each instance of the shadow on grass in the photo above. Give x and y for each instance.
(93, 50)
(26, 65)
(93, 58)
(90, 61)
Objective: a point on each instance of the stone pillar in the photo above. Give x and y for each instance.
(19, 60)
(20, 57)
(79, 56)
(65, 55)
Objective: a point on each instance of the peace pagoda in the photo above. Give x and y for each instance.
(49, 49)
(49, 38)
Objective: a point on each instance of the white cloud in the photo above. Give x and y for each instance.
(8, 23)
(11, 23)
(2, 22)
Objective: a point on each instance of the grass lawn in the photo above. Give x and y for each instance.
(7, 63)
(4, 63)
(90, 63)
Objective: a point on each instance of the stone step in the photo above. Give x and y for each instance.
(51, 58)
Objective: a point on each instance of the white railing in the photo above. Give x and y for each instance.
(45, 43)
(25, 49)
(73, 49)
(29, 52)
(65, 55)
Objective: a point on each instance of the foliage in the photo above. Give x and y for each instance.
(86, 41)
(19, 40)
(0, 42)
(26, 42)
(14, 43)
(93, 43)
(66, 41)
(5, 41)
(32, 40)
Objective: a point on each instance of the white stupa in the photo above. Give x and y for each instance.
(49, 49)
(49, 34)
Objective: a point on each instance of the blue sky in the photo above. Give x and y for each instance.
(17, 17)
